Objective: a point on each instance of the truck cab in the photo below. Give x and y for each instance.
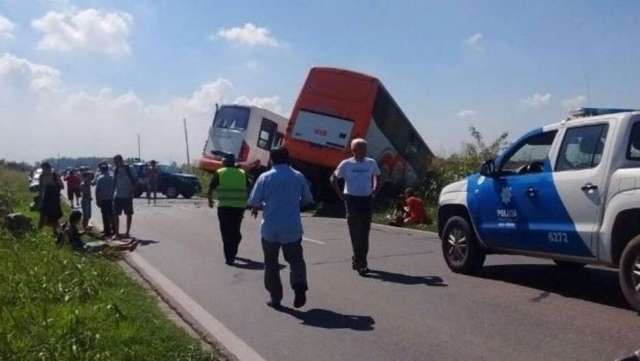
(568, 191)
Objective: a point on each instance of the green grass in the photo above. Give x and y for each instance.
(59, 305)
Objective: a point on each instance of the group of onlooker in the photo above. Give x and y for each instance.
(113, 195)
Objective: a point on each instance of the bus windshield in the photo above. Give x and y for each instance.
(398, 129)
(230, 117)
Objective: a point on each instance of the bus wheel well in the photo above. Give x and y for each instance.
(625, 227)
(450, 210)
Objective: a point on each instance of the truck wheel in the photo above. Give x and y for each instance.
(187, 195)
(569, 264)
(171, 192)
(460, 248)
(629, 273)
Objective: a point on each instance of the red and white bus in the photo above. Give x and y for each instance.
(336, 106)
(248, 132)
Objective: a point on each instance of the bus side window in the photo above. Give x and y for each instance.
(267, 134)
(278, 139)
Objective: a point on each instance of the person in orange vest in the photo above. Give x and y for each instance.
(230, 186)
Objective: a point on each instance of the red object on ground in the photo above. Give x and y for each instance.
(415, 207)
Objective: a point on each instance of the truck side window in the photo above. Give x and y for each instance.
(266, 134)
(633, 150)
(582, 147)
(530, 155)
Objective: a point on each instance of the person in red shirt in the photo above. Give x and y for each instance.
(414, 208)
(73, 187)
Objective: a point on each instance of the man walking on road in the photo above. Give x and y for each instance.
(230, 185)
(123, 189)
(104, 198)
(281, 192)
(361, 182)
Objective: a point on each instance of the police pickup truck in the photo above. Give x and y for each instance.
(568, 191)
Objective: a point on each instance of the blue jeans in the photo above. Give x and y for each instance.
(86, 208)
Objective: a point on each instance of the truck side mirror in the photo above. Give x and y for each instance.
(488, 168)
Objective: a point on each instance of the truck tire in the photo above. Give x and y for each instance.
(569, 264)
(460, 247)
(187, 195)
(629, 273)
(171, 192)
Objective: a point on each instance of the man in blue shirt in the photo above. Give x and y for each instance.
(280, 193)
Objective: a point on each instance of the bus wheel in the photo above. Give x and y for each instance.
(629, 273)
(460, 248)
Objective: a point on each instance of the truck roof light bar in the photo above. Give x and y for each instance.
(592, 112)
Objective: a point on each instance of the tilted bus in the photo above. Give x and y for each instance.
(336, 106)
(248, 132)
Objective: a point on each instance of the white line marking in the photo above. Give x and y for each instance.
(400, 229)
(204, 319)
(313, 240)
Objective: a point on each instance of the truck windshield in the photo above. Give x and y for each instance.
(232, 118)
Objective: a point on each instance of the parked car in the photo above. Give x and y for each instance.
(171, 183)
(569, 191)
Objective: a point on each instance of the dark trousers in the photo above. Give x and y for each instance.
(298, 269)
(106, 209)
(359, 210)
(230, 221)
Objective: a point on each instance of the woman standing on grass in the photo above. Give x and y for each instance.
(50, 209)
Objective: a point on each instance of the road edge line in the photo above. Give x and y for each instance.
(192, 312)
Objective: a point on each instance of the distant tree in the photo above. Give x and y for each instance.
(478, 150)
(19, 166)
(443, 171)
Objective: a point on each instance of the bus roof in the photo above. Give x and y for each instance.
(344, 71)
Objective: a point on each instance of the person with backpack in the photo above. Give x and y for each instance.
(123, 190)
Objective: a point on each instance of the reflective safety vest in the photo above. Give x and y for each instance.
(232, 187)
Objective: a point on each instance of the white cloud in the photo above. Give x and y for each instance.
(41, 117)
(88, 29)
(467, 114)
(475, 42)
(248, 35)
(17, 72)
(271, 103)
(537, 100)
(575, 102)
(6, 28)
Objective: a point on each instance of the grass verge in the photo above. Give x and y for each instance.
(59, 305)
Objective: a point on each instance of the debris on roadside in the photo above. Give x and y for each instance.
(17, 223)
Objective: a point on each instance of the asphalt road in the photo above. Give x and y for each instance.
(410, 308)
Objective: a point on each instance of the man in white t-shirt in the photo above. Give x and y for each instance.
(361, 182)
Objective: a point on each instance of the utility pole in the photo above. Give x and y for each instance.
(139, 157)
(186, 140)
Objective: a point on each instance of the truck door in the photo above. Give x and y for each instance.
(506, 211)
(578, 179)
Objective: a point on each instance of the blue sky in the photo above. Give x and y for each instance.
(501, 66)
